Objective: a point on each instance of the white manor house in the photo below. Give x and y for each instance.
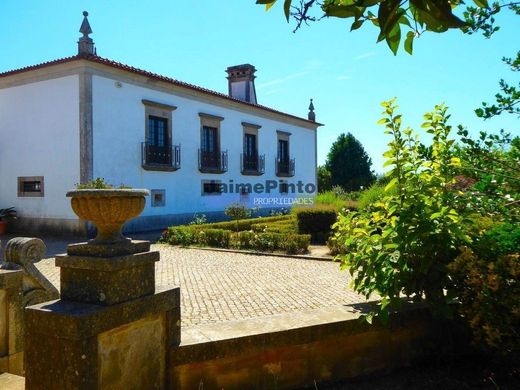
(75, 119)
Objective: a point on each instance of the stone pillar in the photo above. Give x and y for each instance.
(11, 321)
(111, 329)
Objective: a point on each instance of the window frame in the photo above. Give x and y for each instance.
(30, 194)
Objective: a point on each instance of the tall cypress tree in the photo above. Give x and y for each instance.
(349, 164)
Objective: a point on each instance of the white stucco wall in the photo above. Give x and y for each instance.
(39, 136)
(119, 129)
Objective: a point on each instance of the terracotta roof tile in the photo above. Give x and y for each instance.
(119, 65)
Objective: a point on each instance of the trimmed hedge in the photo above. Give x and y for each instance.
(316, 221)
(221, 238)
(244, 224)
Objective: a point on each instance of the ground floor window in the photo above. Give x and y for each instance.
(211, 187)
(30, 186)
(158, 198)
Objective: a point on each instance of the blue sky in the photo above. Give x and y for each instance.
(347, 74)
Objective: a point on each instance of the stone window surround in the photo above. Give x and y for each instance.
(157, 192)
(160, 110)
(208, 120)
(22, 179)
(209, 193)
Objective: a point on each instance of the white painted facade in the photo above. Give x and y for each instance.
(40, 129)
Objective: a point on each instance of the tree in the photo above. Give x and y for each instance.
(349, 164)
(508, 100)
(391, 16)
(324, 179)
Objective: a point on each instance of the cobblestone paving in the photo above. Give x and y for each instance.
(219, 286)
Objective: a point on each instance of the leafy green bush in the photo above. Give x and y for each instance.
(316, 221)
(371, 195)
(335, 247)
(237, 212)
(178, 235)
(489, 294)
(400, 245)
(218, 238)
(336, 200)
(285, 226)
(244, 224)
(99, 184)
(296, 243)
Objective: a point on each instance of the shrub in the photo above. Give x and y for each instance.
(336, 200)
(489, 294)
(218, 238)
(99, 184)
(178, 235)
(244, 224)
(335, 247)
(237, 211)
(296, 243)
(316, 221)
(370, 196)
(199, 219)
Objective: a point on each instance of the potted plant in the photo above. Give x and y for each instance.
(5, 216)
(107, 207)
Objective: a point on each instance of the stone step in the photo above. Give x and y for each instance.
(12, 382)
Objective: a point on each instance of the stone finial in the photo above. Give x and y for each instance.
(85, 43)
(312, 115)
(22, 253)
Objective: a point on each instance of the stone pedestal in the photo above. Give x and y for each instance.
(111, 329)
(11, 321)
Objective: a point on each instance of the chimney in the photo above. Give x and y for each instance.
(85, 43)
(241, 81)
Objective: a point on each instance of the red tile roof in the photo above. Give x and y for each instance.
(128, 68)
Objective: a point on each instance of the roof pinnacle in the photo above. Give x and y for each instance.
(85, 43)
(312, 115)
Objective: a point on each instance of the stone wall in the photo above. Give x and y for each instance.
(297, 350)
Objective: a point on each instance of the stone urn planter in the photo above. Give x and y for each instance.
(108, 210)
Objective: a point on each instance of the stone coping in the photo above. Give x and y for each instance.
(112, 192)
(112, 250)
(11, 382)
(206, 342)
(107, 264)
(73, 320)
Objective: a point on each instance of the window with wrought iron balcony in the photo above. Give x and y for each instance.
(157, 153)
(211, 158)
(251, 163)
(284, 164)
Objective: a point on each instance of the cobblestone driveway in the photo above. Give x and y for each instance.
(219, 286)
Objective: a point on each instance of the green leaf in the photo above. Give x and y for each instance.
(357, 24)
(391, 185)
(394, 38)
(408, 42)
(287, 8)
(344, 11)
(481, 3)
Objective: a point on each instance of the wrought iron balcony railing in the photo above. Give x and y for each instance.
(252, 164)
(160, 158)
(285, 167)
(213, 162)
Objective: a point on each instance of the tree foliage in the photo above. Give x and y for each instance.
(396, 19)
(508, 99)
(403, 243)
(324, 179)
(348, 163)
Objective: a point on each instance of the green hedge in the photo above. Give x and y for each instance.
(220, 238)
(244, 224)
(316, 221)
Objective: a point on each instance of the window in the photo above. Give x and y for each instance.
(158, 152)
(30, 186)
(250, 145)
(251, 162)
(209, 139)
(211, 187)
(211, 158)
(283, 151)
(158, 131)
(158, 198)
(284, 163)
